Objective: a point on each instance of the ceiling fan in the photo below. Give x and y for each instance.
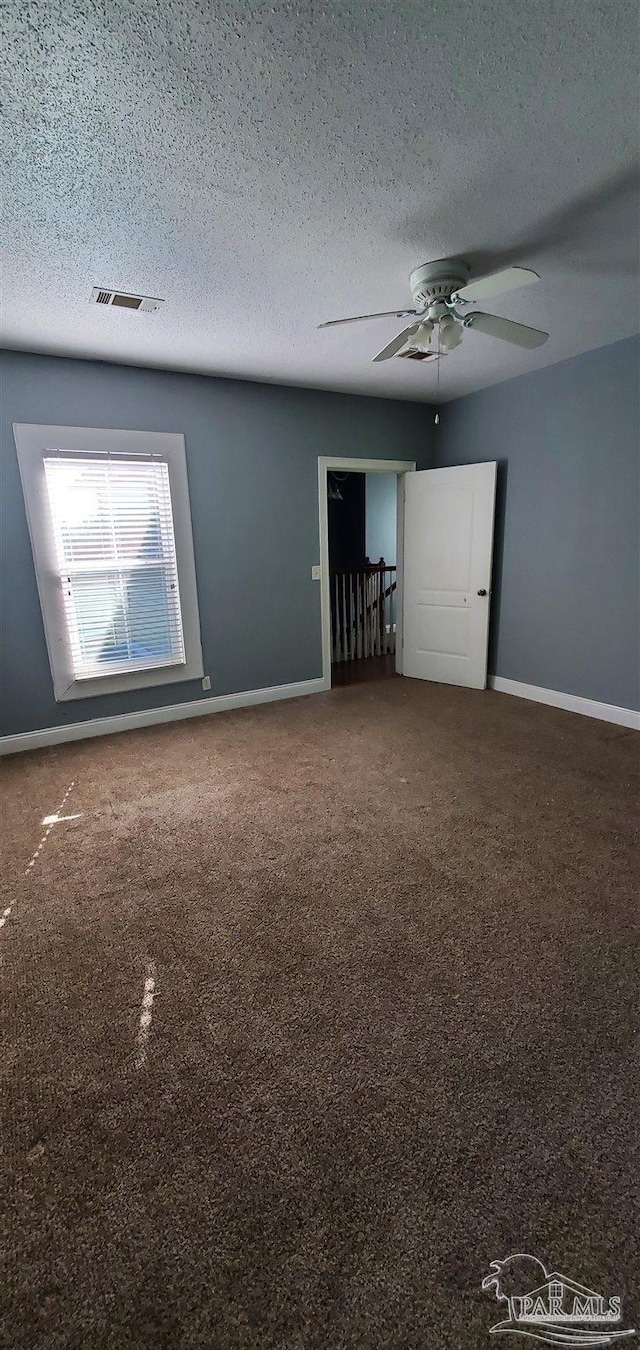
(440, 291)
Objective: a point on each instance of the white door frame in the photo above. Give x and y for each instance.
(327, 464)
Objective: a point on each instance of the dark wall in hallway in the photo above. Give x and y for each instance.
(347, 523)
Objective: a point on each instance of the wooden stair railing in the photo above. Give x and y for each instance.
(363, 612)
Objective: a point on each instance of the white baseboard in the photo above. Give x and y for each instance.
(588, 707)
(175, 712)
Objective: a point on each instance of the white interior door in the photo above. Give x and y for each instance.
(448, 542)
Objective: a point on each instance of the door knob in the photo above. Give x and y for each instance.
(482, 592)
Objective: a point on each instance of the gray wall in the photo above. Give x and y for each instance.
(252, 453)
(381, 494)
(565, 604)
(565, 600)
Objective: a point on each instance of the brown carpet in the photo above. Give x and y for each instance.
(388, 934)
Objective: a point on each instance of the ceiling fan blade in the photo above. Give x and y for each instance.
(506, 329)
(398, 342)
(388, 314)
(509, 279)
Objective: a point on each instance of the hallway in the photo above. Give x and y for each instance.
(369, 669)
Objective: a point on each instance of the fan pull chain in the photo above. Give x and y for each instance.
(437, 416)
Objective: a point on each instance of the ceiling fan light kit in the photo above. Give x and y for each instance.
(422, 336)
(438, 290)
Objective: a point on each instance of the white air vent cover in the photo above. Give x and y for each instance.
(146, 304)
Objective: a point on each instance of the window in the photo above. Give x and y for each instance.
(110, 529)
(116, 559)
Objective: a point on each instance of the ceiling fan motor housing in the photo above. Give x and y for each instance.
(437, 281)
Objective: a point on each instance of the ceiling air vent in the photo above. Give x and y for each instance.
(145, 303)
(413, 355)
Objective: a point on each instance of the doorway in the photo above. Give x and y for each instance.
(443, 576)
(361, 535)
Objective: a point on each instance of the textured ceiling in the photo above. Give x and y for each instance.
(264, 167)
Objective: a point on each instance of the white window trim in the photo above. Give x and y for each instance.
(33, 443)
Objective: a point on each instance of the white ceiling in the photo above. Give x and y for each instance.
(264, 167)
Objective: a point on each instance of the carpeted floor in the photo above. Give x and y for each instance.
(312, 1011)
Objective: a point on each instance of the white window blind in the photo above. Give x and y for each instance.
(116, 557)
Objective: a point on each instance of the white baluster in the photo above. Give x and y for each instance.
(392, 636)
(376, 614)
(367, 589)
(345, 649)
(373, 613)
(336, 611)
(360, 615)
